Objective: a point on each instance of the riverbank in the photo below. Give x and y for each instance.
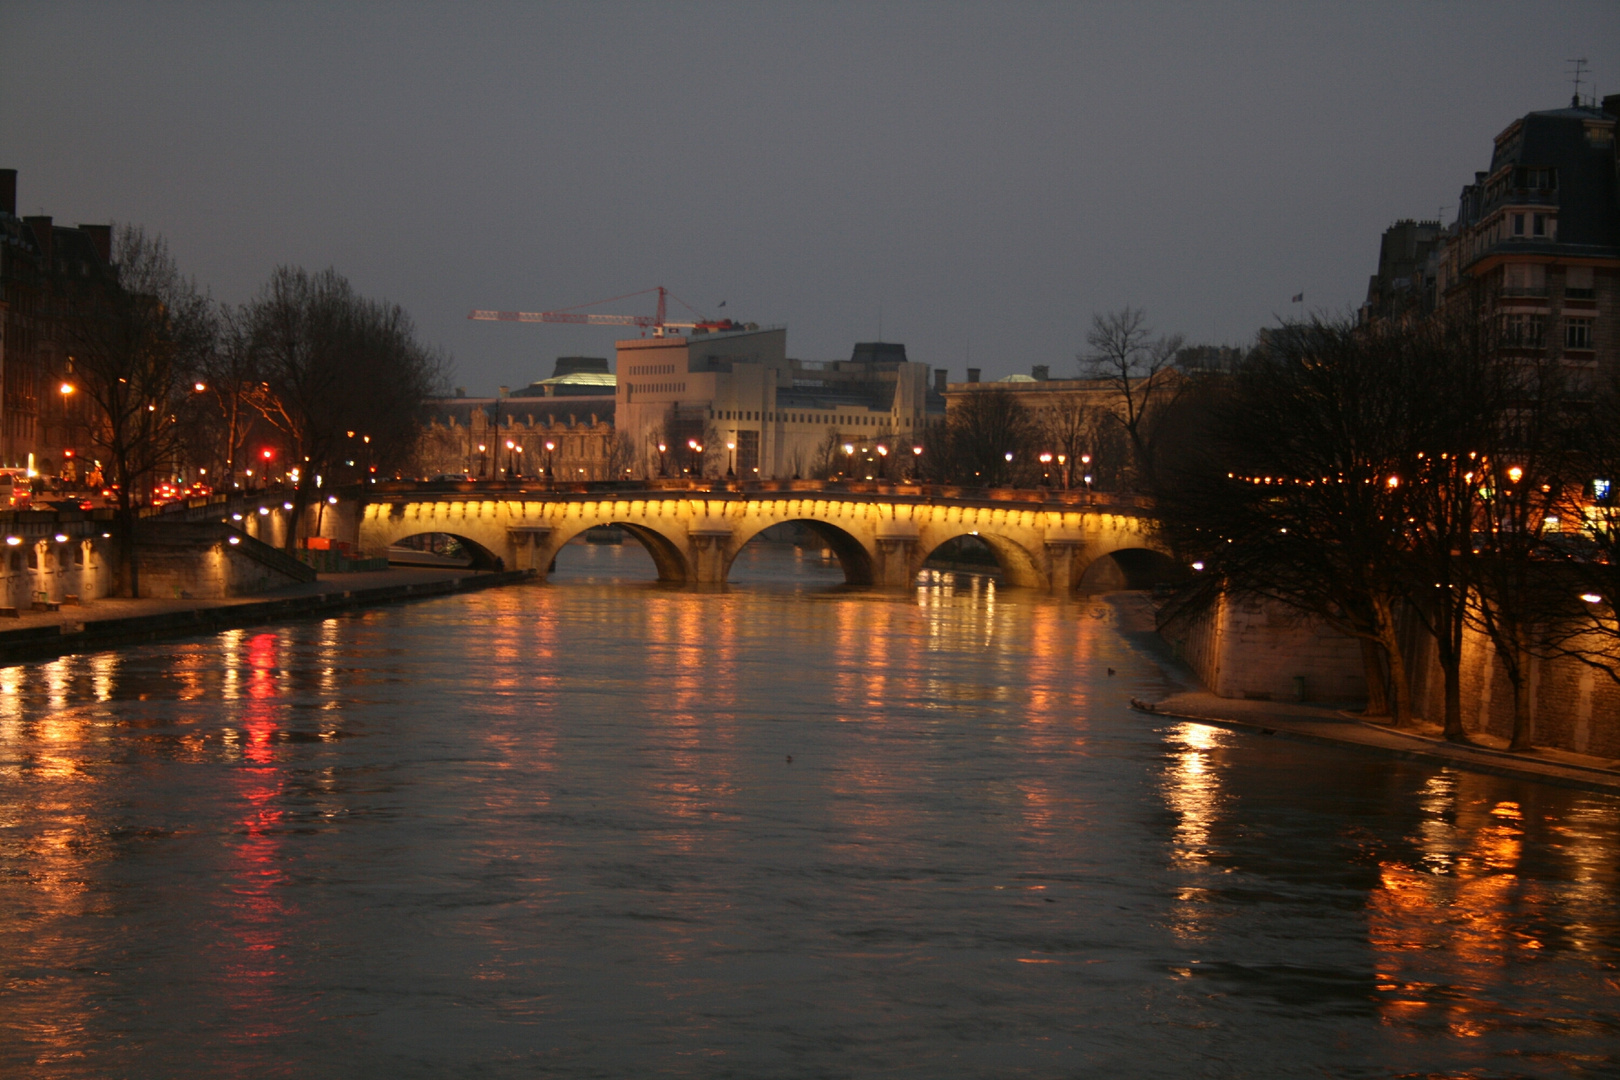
(1337, 725)
(112, 622)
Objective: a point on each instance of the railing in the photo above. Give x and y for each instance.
(663, 487)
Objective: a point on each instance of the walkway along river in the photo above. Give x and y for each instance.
(603, 828)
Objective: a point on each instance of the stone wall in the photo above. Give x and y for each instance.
(1246, 647)
(51, 570)
(1250, 648)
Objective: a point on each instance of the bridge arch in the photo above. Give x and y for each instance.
(1126, 568)
(671, 563)
(424, 549)
(1019, 566)
(853, 556)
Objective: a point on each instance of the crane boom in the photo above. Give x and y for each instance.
(578, 318)
(574, 317)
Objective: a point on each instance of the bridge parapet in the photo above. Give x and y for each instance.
(881, 536)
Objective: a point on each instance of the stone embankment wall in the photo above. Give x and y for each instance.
(1244, 647)
(45, 569)
(211, 561)
(1248, 648)
(1575, 707)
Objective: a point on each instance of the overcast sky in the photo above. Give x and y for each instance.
(982, 177)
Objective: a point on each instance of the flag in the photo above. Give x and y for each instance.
(1299, 298)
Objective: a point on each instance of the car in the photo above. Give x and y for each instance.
(451, 478)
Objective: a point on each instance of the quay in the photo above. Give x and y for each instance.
(112, 622)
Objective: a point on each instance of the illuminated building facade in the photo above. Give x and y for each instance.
(1536, 241)
(41, 264)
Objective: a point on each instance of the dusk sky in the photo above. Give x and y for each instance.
(984, 176)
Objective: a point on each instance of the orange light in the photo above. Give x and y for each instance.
(66, 388)
(268, 454)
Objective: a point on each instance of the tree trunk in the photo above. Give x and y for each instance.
(1374, 671)
(1454, 722)
(1524, 721)
(1400, 689)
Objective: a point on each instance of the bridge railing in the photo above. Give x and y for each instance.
(620, 488)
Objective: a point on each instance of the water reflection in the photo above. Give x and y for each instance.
(599, 828)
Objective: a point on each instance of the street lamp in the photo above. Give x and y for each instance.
(662, 471)
(481, 460)
(883, 457)
(731, 459)
(1063, 463)
(551, 473)
(1046, 468)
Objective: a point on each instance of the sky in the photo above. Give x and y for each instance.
(975, 180)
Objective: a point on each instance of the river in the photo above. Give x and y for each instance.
(601, 828)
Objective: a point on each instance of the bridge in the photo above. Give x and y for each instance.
(881, 534)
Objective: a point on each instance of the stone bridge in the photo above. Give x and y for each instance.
(881, 535)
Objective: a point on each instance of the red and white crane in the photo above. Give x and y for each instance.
(658, 323)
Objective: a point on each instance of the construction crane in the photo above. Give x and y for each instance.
(658, 323)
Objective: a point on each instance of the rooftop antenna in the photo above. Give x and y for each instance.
(1578, 72)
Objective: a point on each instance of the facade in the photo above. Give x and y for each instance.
(758, 414)
(468, 436)
(1408, 259)
(41, 265)
(1536, 242)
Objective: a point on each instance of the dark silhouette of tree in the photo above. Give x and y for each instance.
(989, 440)
(1589, 629)
(1140, 369)
(343, 378)
(136, 349)
(1300, 498)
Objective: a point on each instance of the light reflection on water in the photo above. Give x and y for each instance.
(555, 830)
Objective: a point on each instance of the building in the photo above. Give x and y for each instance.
(42, 265)
(758, 414)
(1408, 259)
(1536, 242)
(562, 427)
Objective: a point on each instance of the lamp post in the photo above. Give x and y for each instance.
(849, 453)
(1046, 468)
(482, 460)
(883, 458)
(1063, 463)
(916, 461)
(662, 470)
(1085, 463)
(551, 473)
(731, 459)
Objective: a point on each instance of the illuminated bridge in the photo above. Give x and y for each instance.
(881, 534)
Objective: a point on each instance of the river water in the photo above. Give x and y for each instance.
(600, 828)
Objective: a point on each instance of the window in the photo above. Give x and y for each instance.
(1538, 224)
(1577, 333)
(1535, 331)
(1578, 283)
(1518, 224)
(1513, 330)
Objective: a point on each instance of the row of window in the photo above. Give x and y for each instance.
(798, 418)
(1531, 331)
(652, 369)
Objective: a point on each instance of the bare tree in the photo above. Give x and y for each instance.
(990, 440)
(1140, 369)
(136, 350)
(344, 379)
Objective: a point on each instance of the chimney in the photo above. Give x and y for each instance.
(1042, 372)
(973, 374)
(42, 236)
(461, 391)
(8, 192)
(504, 391)
(101, 237)
(940, 375)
